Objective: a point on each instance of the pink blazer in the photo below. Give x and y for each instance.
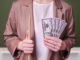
(21, 19)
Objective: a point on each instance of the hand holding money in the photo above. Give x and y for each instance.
(52, 30)
(55, 44)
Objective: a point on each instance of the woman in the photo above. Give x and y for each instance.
(24, 34)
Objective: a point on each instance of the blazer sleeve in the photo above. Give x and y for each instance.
(10, 34)
(70, 37)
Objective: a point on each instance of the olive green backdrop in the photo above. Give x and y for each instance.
(5, 8)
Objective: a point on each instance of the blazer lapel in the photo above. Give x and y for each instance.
(32, 28)
(58, 13)
(31, 20)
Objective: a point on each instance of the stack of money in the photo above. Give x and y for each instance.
(53, 26)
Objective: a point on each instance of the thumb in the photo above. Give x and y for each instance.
(28, 35)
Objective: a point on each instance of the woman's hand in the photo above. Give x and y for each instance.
(26, 45)
(54, 44)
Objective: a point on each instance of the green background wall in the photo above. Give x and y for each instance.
(5, 8)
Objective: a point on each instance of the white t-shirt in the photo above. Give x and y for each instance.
(40, 12)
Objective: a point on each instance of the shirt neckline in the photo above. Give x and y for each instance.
(38, 4)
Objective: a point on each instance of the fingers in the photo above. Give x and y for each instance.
(53, 47)
(53, 43)
(28, 35)
(28, 50)
(54, 39)
(27, 45)
(28, 41)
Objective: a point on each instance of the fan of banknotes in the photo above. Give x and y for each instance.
(53, 26)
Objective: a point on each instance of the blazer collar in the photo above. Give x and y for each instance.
(27, 3)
